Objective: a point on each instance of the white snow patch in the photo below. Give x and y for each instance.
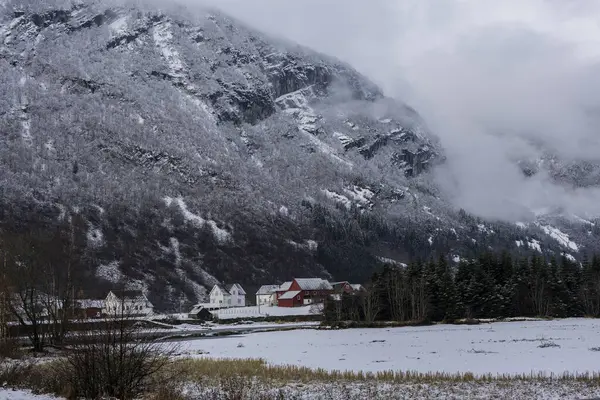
(199, 291)
(95, 237)
(62, 211)
(584, 221)
(309, 245)
(49, 146)
(456, 258)
(430, 240)
(119, 26)
(283, 210)
(110, 272)
(352, 125)
(569, 257)
(344, 139)
(312, 245)
(521, 225)
(385, 121)
(220, 234)
(27, 137)
(559, 236)
(391, 261)
(535, 245)
(14, 394)
(360, 195)
(162, 38)
(338, 197)
(519, 243)
(484, 229)
(296, 104)
(175, 250)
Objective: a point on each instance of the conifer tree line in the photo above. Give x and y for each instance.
(491, 286)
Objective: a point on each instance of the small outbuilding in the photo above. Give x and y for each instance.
(200, 313)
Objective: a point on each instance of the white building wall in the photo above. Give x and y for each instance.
(265, 299)
(115, 306)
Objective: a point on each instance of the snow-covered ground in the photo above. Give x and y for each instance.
(265, 311)
(570, 345)
(10, 394)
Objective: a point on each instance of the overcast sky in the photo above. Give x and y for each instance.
(494, 79)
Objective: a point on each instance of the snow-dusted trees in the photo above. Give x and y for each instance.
(489, 286)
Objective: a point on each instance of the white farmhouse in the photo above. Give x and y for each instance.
(267, 295)
(232, 295)
(127, 302)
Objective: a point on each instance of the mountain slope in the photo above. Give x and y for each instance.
(198, 150)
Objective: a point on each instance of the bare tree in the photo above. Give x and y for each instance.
(371, 303)
(24, 284)
(38, 270)
(118, 359)
(395, 290)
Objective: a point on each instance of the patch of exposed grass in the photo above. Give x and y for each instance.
(198, 369)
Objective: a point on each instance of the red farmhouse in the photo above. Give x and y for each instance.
(302, 292)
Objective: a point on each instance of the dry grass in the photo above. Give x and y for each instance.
(254, 379)
(199, 369)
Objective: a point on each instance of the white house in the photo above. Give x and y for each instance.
(231, 295)
(127, 302)
(267, 295)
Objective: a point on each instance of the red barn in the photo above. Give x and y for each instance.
(342, 287)
(303, 291)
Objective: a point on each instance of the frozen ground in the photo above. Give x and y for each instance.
(10, 394)
(514, 390)
(571, 345)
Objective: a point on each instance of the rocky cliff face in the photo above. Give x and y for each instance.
(198, 150)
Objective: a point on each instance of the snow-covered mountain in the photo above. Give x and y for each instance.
(198, 150)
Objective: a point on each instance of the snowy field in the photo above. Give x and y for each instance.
(265, 311)
(570, 345)
(10, 394)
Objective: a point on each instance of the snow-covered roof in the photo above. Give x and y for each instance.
(90, 303)
(226, 288)
(356, 286)
(239, 287)
(313, 284)
(285, 286)
(289, 295)
(136, 295)
(197, 308)
(267, 289)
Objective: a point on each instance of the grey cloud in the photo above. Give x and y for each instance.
(497, 82)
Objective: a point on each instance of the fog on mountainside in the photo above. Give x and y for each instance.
(507, 86)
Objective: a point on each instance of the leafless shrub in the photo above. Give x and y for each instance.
(117, 360)
(14, 373)
(545, 345)
(10, 348)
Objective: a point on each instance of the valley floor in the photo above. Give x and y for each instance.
(550, 347)
(506, 360)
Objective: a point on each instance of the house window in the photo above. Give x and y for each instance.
(315, 292)
(307, 292)
(239, 301)
(298, 297)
